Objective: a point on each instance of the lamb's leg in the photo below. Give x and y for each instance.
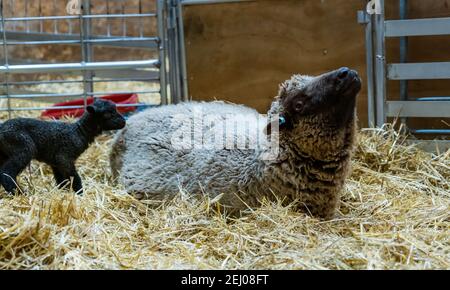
(17, 151)
(3, 158)
(64, 173)
(77, 185)
(60, 180)
(9, 170)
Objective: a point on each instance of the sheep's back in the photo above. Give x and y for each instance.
(147, 162)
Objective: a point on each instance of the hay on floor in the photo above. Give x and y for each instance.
(395, 214)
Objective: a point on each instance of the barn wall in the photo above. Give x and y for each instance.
(240, 52)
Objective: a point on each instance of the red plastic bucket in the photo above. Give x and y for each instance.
(58, 112)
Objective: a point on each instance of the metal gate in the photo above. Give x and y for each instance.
(379, 72)
(100, 50)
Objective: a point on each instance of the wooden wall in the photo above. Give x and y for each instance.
(240, 52)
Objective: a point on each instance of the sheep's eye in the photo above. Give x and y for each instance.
(299, 106)
(107, 115)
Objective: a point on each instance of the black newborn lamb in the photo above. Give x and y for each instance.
(55, 143)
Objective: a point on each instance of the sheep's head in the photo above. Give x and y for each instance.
(106, 115)
(318, 113)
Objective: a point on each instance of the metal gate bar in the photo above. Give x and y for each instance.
(162, 64)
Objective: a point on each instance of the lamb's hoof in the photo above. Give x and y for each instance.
(12, 192)
(9, 185)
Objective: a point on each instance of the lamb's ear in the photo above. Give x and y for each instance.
(281, 122)
(90, 109)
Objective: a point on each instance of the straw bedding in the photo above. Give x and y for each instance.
(395, 214)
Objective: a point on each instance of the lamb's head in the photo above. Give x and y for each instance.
(105, 115)
(318, 113)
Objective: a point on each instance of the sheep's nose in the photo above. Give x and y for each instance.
(343, 72)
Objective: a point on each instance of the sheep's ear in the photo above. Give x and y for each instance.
(90, 109)
(283, 89)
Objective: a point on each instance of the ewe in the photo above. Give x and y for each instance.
(317, 121)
